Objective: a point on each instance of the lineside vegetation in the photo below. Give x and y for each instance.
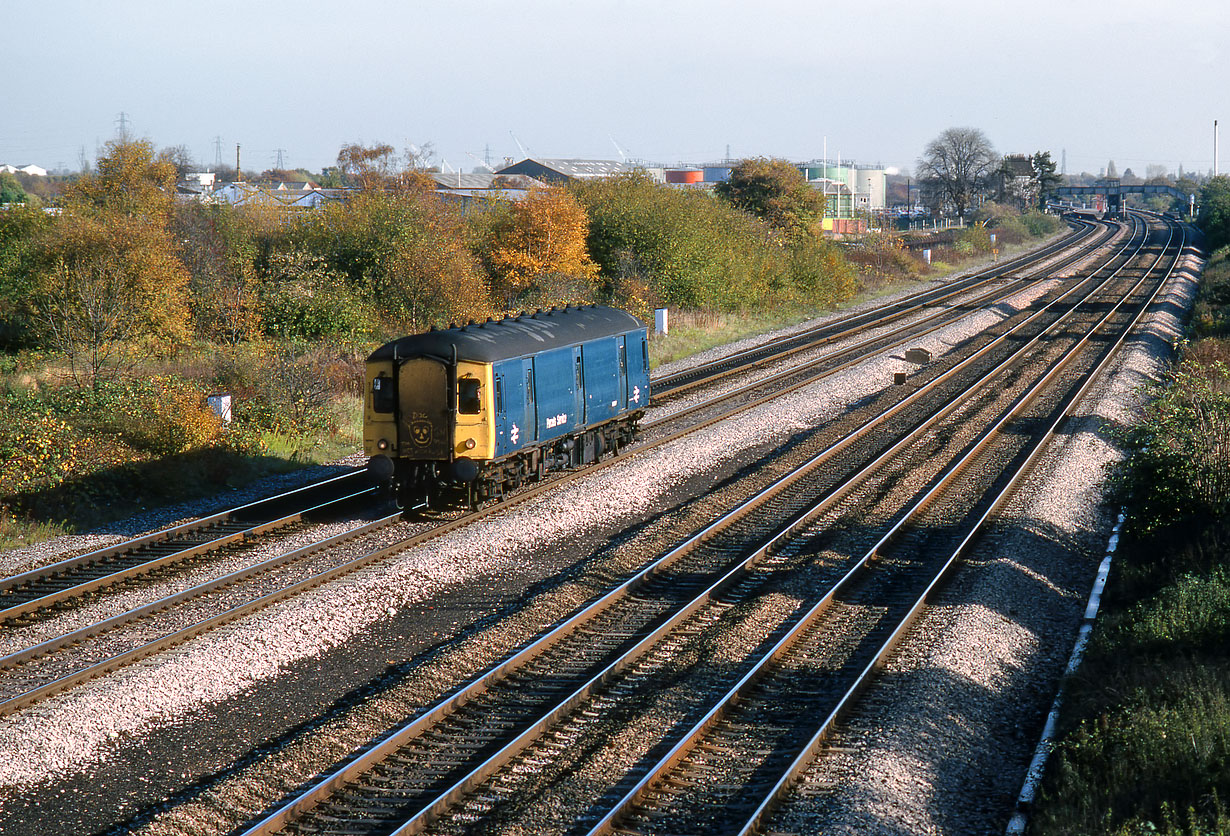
(1146, 735)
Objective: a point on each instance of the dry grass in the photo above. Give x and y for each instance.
(692, 332)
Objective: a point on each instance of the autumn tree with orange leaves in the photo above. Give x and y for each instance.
(536, 250)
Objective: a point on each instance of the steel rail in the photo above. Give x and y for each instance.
(878, 344)
(528, 492)
(466, 693)
(60, 568)
(50, 572)
(13, 660)
(1088, 379)
(775, 350)
(467, 784)
(820, 375)
(762, 668)
(17, 702)
(166, 535)
(470, 783)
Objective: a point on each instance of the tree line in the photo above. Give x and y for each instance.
(119, 269)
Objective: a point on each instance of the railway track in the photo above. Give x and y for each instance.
(176, 801)
(1082, 241)
(46, 587)
(58, 662)
(713, 777)
(435, 765)
(930, 317)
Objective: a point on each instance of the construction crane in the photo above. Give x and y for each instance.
(524, 153)
(482, 163)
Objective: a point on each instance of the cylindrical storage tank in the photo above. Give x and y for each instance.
(688, 176)
(717, 173)
(872, 182)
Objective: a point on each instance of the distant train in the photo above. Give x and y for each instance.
(470, 413)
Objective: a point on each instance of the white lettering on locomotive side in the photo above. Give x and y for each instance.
(557, 421)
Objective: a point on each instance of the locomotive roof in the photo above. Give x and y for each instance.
(517, 336)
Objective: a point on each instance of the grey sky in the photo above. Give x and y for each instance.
(675, 80)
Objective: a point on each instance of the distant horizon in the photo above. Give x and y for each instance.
(200, 166)
(687, 82)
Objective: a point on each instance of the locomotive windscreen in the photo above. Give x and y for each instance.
(423, 425)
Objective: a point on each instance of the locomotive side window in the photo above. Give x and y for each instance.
(529, 385)
(578, 372)
(382, 393)
(468, 402)
(499, 394)
(623, 358)
(644, 355)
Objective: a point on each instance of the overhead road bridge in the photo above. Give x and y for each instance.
(1114, 190)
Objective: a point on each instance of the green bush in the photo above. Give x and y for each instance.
(285, 392)
(304, 301)
(971, 240)
(1214, 217)
(686, 249)
(820, 275)
(1191, 616)
(404, 250)
(1148, 749)
(1040, 224)
(163, 416)
(20, 229)
(1129, 770)
(37, 447)
(1179, 467)
(1211, 312)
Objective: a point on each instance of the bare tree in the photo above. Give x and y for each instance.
(378, 166)
(367, 166)
(180, 157)
(956, 165)
(86, 315)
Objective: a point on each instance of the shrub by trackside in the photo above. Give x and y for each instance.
(1158, 763)
(37, 448)
(1146, 743)
(162, 417)
(1179, 466)
(76, 458)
